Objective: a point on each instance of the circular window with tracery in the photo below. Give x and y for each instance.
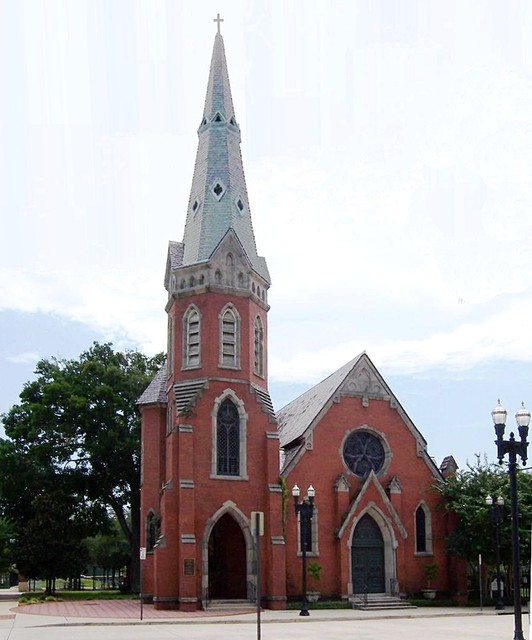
(363, 452)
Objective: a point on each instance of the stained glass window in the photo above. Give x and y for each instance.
(228, 440)
(363, 452)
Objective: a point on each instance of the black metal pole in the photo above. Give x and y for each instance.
(259, 593)
(498, 518)
(512, 471)
(304, 518)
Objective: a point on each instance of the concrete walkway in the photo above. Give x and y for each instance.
(100, 612)
(117, 619)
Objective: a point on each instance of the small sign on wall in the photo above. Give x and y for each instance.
(143, 553)
(189, 567)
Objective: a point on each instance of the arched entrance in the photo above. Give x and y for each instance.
(227, 560)
(367, 557)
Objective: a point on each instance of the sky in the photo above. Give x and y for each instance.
(387, 146)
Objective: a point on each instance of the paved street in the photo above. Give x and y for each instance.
(29, 623)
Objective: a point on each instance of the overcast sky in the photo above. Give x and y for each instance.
(387, 146)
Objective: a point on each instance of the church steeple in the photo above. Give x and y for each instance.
(218, 197)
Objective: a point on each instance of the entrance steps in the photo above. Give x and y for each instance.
(379, 601)
(231, 605)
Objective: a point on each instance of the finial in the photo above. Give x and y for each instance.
(218, 20)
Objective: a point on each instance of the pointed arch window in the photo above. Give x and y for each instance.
(229, 338)
(258, 347)
(423, 528)
(191, 339)
(228, 440)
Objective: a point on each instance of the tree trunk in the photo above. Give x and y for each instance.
(132, 534)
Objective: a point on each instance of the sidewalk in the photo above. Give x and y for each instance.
(127, 612)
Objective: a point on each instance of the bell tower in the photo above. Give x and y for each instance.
(210, 453)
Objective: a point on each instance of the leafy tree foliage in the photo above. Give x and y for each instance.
(109, 551)
(7, 535)
(51, 545)
(74, 447)
(465, 495)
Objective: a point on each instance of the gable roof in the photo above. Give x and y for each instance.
(372, 481)
(297, 416)
(358, 377)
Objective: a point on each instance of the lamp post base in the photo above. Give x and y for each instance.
(304, 612)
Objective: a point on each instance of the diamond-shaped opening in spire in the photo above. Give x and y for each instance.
(195, 206)
(218, 190)
(240, 205)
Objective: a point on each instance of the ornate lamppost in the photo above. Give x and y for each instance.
(496, 515)
(304, 509)
(513, 448)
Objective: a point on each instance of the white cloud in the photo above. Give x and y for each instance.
(27, 357)
(504, 335)
(124, 306)
(398, 214)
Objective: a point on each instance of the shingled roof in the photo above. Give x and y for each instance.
(296, 417)
(358, 377)
(155, 392)
(218, 197)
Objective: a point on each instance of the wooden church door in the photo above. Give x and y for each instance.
(367, 557)
(227, 560)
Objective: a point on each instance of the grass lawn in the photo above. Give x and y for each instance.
(60, 596)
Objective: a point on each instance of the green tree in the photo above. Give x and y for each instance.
(464, 495)
(51, 544)
(109, 551)
(7, 535)
(76, 427)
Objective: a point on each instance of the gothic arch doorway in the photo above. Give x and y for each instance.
(367, 557)
(227, 560)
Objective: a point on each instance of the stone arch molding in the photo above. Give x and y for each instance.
(243, 416)
(390, 545)
(229, 507)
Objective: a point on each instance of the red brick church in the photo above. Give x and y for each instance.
(214, 450)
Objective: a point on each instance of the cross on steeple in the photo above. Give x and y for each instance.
(218, 20)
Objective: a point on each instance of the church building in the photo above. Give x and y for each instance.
(214, 450)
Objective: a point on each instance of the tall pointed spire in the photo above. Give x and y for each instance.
(218, 198)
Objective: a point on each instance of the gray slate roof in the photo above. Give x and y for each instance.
(218, 198)
(359, 377)
(298, 415)
(155, 392)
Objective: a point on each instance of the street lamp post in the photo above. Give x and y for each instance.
(513, 448)
(304, 509)
(496, 514)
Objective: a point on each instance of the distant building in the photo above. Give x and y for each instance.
(211, 439)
